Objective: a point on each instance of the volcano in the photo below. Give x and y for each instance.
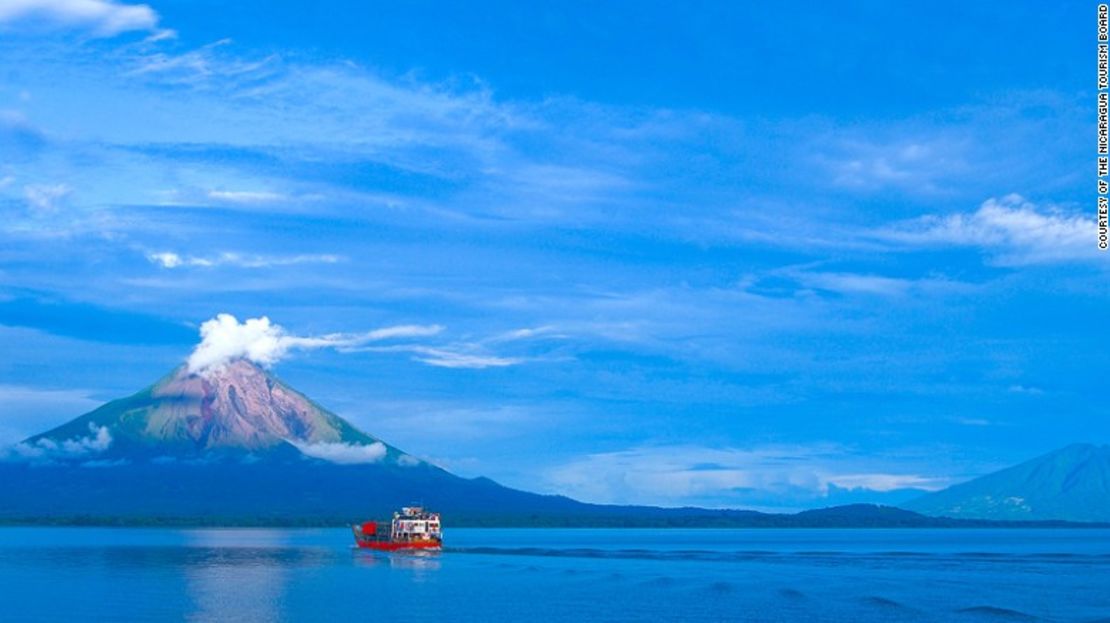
(235, 410)
(1071, 483)
(235, 445)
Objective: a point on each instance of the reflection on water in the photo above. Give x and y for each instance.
(243, 574)
(232, 537)
(496, 576)
(237, 588)
(418, 564)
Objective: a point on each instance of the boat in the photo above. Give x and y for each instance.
(412, 528)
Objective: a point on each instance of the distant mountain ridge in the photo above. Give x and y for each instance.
(236, 446)
(1072, 483)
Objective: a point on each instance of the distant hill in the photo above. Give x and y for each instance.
(1072, 483)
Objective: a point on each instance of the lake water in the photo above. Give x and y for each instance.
(492, 575)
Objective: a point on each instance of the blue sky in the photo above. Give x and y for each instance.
(725, 255)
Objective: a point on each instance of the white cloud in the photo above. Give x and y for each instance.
(528, 333)
(162, 34)
(103, 18)
(246, 196)
(201, 66)
(856, 283)
(1025, 389)
(44, 449)
(169, 259)
(1014, 230)
(165, 259)
(408, 460)
(344, 453)
(678, 475)
(881, 482)
(404, 330)
(445, 357)
(919, 166)
(224, 338)
(469, 355)
(46, 198)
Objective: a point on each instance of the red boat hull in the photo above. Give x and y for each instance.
(391, 546)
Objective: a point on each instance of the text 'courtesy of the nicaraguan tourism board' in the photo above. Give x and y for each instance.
(1103, 122)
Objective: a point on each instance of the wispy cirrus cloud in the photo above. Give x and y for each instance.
(921, 166)
(202, 67)
(45, 199)
(856, 283)
(169, 259)
(365, 111)
(850, 283)
(474, 354)
(1009, 231)
(444, 358)
(463, 357)
(246, 196)
(265, 145)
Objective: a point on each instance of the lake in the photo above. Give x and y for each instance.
(511, 575)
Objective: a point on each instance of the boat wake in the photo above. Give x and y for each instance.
(784, 556)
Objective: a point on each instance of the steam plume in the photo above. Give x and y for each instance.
(224, 338)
